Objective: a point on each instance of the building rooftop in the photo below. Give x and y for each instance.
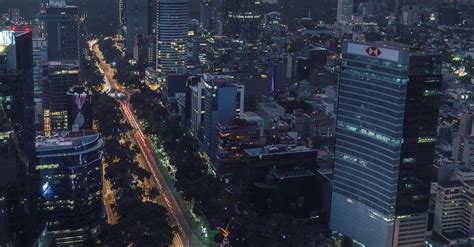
(276, 149)
(385, 44)
(295, 173)
(252, 116)
(393, 44)
(270, 105)
(237, 124)
(66, 140)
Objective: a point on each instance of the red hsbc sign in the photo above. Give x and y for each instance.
(373, 51)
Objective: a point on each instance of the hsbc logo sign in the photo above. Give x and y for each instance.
(373, 51)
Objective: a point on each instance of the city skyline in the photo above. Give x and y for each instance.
(252, 123)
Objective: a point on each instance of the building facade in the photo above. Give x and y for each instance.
(385, 139)
(196, 106)
(242, 19)
(62, 30)
(172, 17)
(454, 208)
(68, 176)
(233, 138)
(40, 56)
(58, 78)
(137, 21)
(223, 101)
(345, 9)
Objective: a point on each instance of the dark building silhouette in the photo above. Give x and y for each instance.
(242, 19)
(62, 31)
(58, 78)
(449, 16)
(16, 135)
(281, 179)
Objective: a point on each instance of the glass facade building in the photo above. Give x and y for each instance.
(344, 10)
(58, 78)
(136, 20)
(242, 19)
(223, 101)
(388, 100)
(172, 17)
(68, 176)
(62, 29)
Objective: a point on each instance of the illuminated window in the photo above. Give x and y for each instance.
(408, 160)
(426, 139)
(430, 92)
(370, 133)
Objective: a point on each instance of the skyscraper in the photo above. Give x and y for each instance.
(68, 176)
(206, 14)
(16, 83)
(223, 101)
(58, 78)
(16, 133)
(385, 139)
(172, 17)
(242, 19)
(345, 9)
(137, 21)
(62, 30)
(123, 17)
(13, 210)
(40, 55)
(196, 106)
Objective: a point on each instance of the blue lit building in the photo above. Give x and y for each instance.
(68, 176)
(385, 139)
(223, 101)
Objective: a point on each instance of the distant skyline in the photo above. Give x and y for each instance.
(30, 7)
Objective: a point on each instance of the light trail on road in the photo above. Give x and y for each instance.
(171, 203)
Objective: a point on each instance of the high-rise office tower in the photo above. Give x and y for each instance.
(13, 206)
(385, 139)
(196, 106)
(16, 133)
(151, 17)
(68, 176)
(223, 101)
(172, 17)
(206, 14)
(137, 21)
(62, 31)
(40, 56)
(16, 80)
(123, 17)
(58, 78)
(242, 18)
(345, 10)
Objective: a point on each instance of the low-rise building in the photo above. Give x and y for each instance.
(234, 137)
